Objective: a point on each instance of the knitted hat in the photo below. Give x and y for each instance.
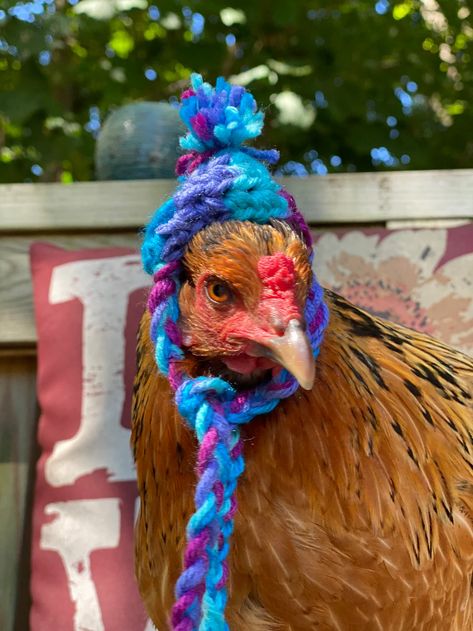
(220, 179)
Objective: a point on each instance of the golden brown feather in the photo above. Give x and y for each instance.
(356, 505)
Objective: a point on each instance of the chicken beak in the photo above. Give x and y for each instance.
(294, 352)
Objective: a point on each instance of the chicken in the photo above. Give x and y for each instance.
(355, 511)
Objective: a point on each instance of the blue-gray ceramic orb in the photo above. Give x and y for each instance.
(139, 141)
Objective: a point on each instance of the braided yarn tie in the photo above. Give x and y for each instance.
(214, 410)
(220, 179)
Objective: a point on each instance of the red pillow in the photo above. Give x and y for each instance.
(88, 304)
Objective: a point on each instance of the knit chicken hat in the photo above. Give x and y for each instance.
(220, 179)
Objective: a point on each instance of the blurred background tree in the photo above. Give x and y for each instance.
(354, 85)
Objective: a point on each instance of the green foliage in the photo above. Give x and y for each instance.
(350, 84)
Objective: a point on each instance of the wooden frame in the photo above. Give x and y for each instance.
(95, 214)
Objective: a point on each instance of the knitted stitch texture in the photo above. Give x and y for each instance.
(220, 179)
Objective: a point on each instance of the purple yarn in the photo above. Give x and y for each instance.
(222, 582)
(175, 376)
(160, 291)
(198, 543)
(233, 503)
(239, 403)
(187, 93)
(166, 271)
(236, 94)
(190, 161)
(218, 490)
(316, 322)
(282, 390)
(296, 218)
(201, 126)
(271, 156)
(206, 482)
(206, 449)
(156, 318)
(173, 332)
(198, 203)
(185, 614)
(186, 624)
(192, 577)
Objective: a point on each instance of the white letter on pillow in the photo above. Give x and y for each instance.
(67, 536)
(103, 286)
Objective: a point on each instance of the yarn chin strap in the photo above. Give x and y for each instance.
(214, 410)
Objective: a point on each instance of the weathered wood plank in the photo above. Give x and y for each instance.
(398, 224)
(17, 429)
(375, 197)
(344, 197)
(17, 325)
(83, 205)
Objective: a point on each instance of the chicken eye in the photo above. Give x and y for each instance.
(218, 291)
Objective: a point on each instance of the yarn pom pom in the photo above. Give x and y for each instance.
(220, 117)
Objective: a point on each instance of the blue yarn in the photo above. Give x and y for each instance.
(253, 195)
(152, 242)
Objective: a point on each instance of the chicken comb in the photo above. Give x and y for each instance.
(220, 179)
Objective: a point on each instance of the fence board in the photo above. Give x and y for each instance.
(344, 197)
(17, 326)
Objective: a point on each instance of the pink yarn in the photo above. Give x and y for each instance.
(187, 163)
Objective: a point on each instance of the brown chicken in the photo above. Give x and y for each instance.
(355, 511)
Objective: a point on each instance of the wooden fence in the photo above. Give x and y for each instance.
(93, 214)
